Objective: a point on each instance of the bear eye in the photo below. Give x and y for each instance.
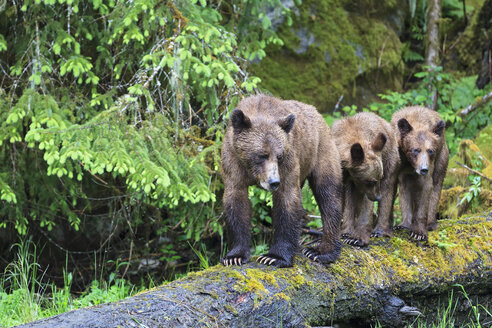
(261, 158)
(280, 158)
(416, 151)
(371, 184)
(430, 152)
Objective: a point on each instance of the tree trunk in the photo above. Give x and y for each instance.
(390, 281)
(432, 50)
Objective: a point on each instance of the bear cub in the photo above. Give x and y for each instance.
(424, 155)
(277, 145)
(369, 158)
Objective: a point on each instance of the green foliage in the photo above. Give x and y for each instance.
(25, 296)
(453, 95)
(472, 195)
(446, 314)
(262, 203)
(443, 241)
(202, 256)
(452, 11)
(123, 101)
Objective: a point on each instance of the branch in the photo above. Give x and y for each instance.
(474, 171)
(480, 102)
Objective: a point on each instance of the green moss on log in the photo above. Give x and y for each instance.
(359, 286)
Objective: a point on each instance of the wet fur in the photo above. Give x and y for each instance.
(369, 152)
(302, 148)
(419, 128)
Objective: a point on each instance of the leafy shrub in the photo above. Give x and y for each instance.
(117, 108)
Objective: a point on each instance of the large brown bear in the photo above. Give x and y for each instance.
(277, 145)
(369, 155)
(424, 156)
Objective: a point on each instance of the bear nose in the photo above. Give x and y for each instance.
(378, 198)
(424, 171)
(274, 183)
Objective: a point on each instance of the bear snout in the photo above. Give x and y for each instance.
(274, 183)
(374, 198)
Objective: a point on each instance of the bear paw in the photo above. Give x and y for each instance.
(311, 253)
(314, 255)
(432, 226)
(270, 259)
(353, 242)
(418, 236)
(415, 235)
(227, 261)
(379, 232)
(402, 227)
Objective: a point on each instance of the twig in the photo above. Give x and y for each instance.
(474, 171)
(95, 176)
(338, 103)
(129, 260)
(312, 232)
(485, 99)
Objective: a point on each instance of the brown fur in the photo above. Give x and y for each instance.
(424, 155)
(369, 156)
(278, 145)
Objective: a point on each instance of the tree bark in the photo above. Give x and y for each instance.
(432, 50)
(390, 281)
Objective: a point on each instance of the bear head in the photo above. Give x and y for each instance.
(366, 166)
(420, 144)
(262, 146)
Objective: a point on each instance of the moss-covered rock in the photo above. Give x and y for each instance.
(475, 40)
(336, 48)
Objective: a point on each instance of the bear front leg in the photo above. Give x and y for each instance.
(362, 228)
(385, 207)
(327, 190)
(406, 185)
(237, 207)
(348, 217)
(418, 229)
(437, 181)
(287, 216)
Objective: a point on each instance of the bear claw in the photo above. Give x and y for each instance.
(263, 259)
(401, 227)
(353, 242)
(311, 253)
(418, 236)
(232, 261)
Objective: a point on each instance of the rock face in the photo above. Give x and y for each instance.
(391, 281)
(336, 48)
(474, 49)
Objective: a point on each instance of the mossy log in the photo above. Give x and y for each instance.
(389, 281)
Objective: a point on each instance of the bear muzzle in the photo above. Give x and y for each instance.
(274, 183)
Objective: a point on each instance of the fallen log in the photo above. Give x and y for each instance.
(391, 281)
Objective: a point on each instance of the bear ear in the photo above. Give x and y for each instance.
(379, 142)
(404, 127)
(239, 121)
(357, 154)
(439, 128)
(287, 123)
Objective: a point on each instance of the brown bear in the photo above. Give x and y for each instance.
(277, 145)
(369, 156)
(424, 156)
